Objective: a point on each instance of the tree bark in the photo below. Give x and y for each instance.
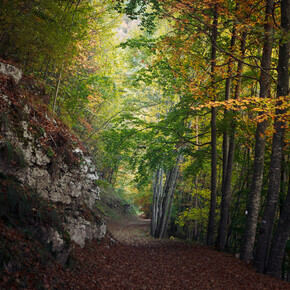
(211, 220)
(57, 88)
(196, 179)
(162, 199)
(226, 117)
(167, 197)
(280, 239)
(157, 194)
(258, 168)
(267, 223)
(226, 193)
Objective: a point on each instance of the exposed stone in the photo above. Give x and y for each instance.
(76, 189)
(40, 158)
(57, 194)
(37, 178)
(60, 248)
(81, 230)
(101, 230)
(69, 187)
(77, 230)
(92, 196)
(52, 239)
(26, 110)
(10, 70)
(6, 99)
(26, 133)
(113, 242)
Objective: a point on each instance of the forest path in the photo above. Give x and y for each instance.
(137, 261)
(134, 231)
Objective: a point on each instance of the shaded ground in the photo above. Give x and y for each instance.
(141, 262)
(132, 231)
(131, 259)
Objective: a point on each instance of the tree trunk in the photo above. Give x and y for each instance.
(167, 197)
(267, 223)
(157, 194)
(226, 117)
(211, 220)
(258, 168)
(227, 188)
(57, 88)
(162, 199)
(279, 240)
(196, 179)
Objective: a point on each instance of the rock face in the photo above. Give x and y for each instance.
(72, 187)
(49, 236)
(10, 70)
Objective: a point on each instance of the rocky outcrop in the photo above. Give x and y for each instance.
(60, 248)
(10, 70)
(81, 230)
(70, 185)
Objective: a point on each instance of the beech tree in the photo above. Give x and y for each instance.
(279, 240)
(211, 221)
(229, 158)
(260, 138)
(268, 219)
(162, 199)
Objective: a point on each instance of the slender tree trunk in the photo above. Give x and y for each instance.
(226, 117)
(211, 221)
(258, 168)
(169, 189)
(196, 205)
(163, 233)
(226, 194)
(157, 195)
(57, 88)
(241, 185)
(196, 179)
(267, 224)
(279, 240)
(225, 203)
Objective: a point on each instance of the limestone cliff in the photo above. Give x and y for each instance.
(40, 152)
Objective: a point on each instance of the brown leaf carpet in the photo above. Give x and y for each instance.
(131, 259)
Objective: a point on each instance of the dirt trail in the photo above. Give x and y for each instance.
(134, 231)
(138, 261)
(131, 259)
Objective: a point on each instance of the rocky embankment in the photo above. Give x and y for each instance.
(43, 155)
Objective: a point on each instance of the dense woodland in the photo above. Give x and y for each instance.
(183, 104)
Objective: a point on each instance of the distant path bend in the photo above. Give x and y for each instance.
(134, 231)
